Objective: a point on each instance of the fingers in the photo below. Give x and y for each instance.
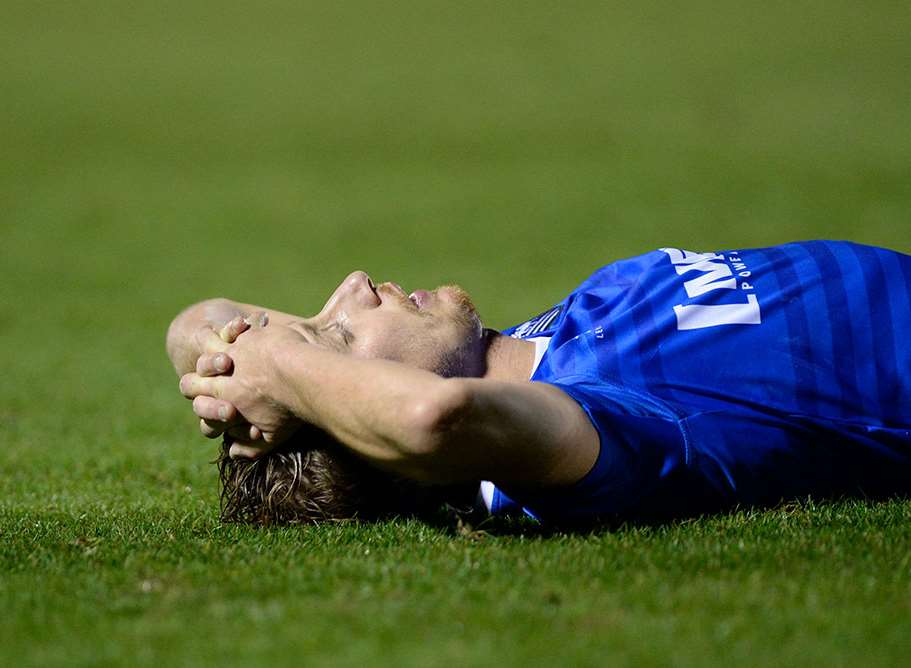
(211, 429)
(258, 319)
(208, 341)
(215, 415)
(245, 451)
(238, 451)
(237, 326)
(193, 385)
(214, 365)
(215, 410)
(244, 432)
(219, 417)
(233, 329)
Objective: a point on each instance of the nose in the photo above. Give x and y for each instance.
(355, 291)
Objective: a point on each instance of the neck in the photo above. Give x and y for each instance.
(507, 359)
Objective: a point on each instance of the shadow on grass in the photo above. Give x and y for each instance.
(474, 525)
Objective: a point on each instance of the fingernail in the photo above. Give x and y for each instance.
(220, 363)
(222, 412)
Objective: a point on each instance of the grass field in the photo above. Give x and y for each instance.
(155, 154)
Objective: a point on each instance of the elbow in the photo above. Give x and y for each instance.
(432, 427)
(199, 313)
(207, 309)
(185, 324)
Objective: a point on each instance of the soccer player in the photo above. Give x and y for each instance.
(674, 382)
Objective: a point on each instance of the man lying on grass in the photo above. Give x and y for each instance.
(671, 382)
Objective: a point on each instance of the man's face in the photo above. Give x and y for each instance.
(439, 331)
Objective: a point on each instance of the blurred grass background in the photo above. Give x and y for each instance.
(155, 154)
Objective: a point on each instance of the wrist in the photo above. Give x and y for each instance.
(288, 369)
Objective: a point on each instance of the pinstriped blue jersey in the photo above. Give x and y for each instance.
(740, 376)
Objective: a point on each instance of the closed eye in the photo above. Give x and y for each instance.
(347, 336)
(339, 333)
(335, 336)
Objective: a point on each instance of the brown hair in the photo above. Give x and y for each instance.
(312, 479)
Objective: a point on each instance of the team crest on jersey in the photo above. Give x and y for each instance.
(538, 324)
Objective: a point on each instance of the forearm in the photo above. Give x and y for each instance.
(404, 419)
(429, 428)
(387, 412)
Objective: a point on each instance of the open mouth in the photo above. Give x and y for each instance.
(420, 298)
(415, 298)
(410, 297)
(401, 291)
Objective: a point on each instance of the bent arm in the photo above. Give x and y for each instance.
(185, 341)
(433, 429)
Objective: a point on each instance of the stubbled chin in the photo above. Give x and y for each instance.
(466, 312)
(460, 298)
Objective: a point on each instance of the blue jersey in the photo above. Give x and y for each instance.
(732, 377)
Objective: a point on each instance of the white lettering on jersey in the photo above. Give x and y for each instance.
(714, 274)
(699, 316)
(710, 278)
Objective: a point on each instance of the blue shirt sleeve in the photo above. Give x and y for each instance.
(653, 460)
(641, 445)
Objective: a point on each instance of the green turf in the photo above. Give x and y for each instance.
(154, 154)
